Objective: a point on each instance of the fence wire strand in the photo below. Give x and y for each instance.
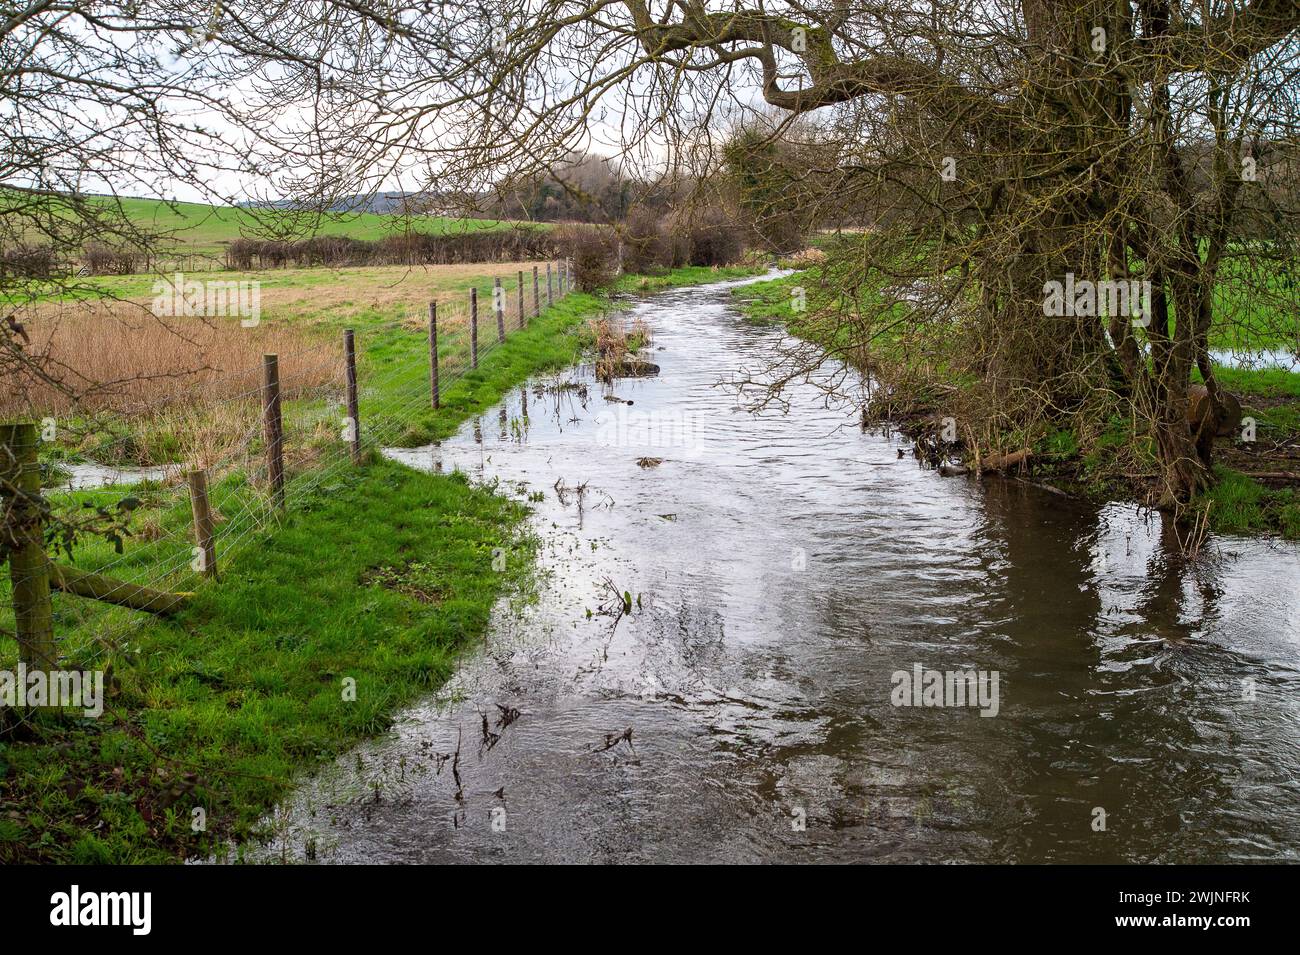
(397, 395)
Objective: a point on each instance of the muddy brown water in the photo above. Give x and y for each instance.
(783, 567)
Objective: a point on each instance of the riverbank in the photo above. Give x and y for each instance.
(324, 624)
(704, 665)
(1252, 494)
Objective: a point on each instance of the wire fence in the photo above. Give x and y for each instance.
(278, 444)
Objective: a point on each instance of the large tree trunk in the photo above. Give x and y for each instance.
(1183, 473)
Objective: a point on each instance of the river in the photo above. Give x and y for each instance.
(787, 570)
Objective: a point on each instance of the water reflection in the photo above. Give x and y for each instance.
(783, 567)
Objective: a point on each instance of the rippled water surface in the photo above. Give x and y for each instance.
(783, 566)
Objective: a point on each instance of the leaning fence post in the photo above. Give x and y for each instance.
(499, 304)
(521, 298)
(354, 409)
(537, 293)
(433, 352)
(550, 288)
(273, 427)
(203, 536)
(20, 482)
(473, 328)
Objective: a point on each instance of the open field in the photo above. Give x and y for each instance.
(158, 378)
(200, 229)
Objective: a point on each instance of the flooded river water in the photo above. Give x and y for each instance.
(784, 569)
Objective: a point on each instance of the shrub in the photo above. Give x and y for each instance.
(105, 260)
(28, 262)
(645, 247)
(712, 236)
(410, 248)
(592, 252)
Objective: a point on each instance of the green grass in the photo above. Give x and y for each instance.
(1270, 395)
(687, 275)
(1240, 505)
(379, 578)
(556, 340)
(378, 574)
(198, 228)
(770, 302)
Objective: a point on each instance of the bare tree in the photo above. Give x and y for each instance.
(1018, 143)
(98, 101)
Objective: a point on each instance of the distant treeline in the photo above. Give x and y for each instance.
(588, 189)
(412, 248)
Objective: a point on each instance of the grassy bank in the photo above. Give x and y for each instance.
(688, 275)
(1239, 502)
(378, 578)
(377, 575)
(1096, 465)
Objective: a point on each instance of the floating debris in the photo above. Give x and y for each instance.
(613, 739)
(508, 715)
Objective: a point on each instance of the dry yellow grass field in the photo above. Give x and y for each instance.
(120, 357)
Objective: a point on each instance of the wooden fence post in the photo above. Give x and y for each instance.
(203, 536)
(433, 352)
(354, 408)
(20, 482)
(537, 293)
(550, 288)
(521, 298)
(499, 303)
(273, 427)
(473, 328)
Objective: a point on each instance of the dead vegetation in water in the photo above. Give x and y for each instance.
(617, 345)
(613, 739)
